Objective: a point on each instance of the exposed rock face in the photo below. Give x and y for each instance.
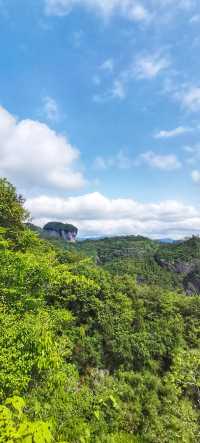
(191, 281)
(189, 270)
(61, 231)
(179, 267)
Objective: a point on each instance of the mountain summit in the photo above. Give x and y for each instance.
(66, 232)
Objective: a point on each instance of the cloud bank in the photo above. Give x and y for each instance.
(95, 214)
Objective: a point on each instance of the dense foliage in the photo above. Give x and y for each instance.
(172, 266)
(12, 212)
(88, 355)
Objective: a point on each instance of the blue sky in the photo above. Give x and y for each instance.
(99, 117)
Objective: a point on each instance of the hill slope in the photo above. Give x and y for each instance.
(168, 265)
(88, 355)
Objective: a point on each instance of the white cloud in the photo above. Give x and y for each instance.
(180, 130)
(101, 163)
(193, 152)
(118, 90)
(33, 155)
(96, 80)
(120, 161)
(95, 214)
(195, 19)
(123, 161)
(196, 176)
(150, 66)
(179, 4)
(137, 12)
(190, 98)
(77, 38)
(107, 65)
(147, 66)
(189, 149)
(51, 109)
(186, 94)
(168, 162)
(133, 10)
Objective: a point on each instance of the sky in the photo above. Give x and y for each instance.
(99, 113)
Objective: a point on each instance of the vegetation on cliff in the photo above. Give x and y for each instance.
(88, 355)
(173, 266)
(64, 231)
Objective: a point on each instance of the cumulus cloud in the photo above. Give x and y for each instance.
(95, 214)
(168, 162)
(33, 155)
(180, 130)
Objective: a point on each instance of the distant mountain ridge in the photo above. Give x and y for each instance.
(167, 263)
(168, 240)
(171, 265)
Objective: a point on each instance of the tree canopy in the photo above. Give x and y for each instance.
(12, 212)
(87, 354)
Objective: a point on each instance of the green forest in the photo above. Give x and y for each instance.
(99, 339)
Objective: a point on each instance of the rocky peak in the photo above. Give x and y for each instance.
(62, 231)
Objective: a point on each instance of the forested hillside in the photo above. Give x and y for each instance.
(96, 347)
(174, 266)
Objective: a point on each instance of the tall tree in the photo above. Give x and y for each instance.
(12, 212)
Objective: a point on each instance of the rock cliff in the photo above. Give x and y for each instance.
(62, 231)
